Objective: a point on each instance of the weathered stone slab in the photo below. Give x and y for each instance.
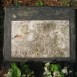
(40, 39)
(39, 33)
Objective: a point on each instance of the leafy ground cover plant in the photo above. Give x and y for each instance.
(39, 3)
(55, 70)
(26, 72)
(15, 71)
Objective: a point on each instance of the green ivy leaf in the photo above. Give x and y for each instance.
(55, 67)
(15, 71)
(13, 66)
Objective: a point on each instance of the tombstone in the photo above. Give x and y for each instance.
(39, 34)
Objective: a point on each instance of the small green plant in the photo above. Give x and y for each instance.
(14, 71)
(25, 71)
(53, 70)
(39, 3)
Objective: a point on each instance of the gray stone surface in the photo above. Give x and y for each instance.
(40, 39)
